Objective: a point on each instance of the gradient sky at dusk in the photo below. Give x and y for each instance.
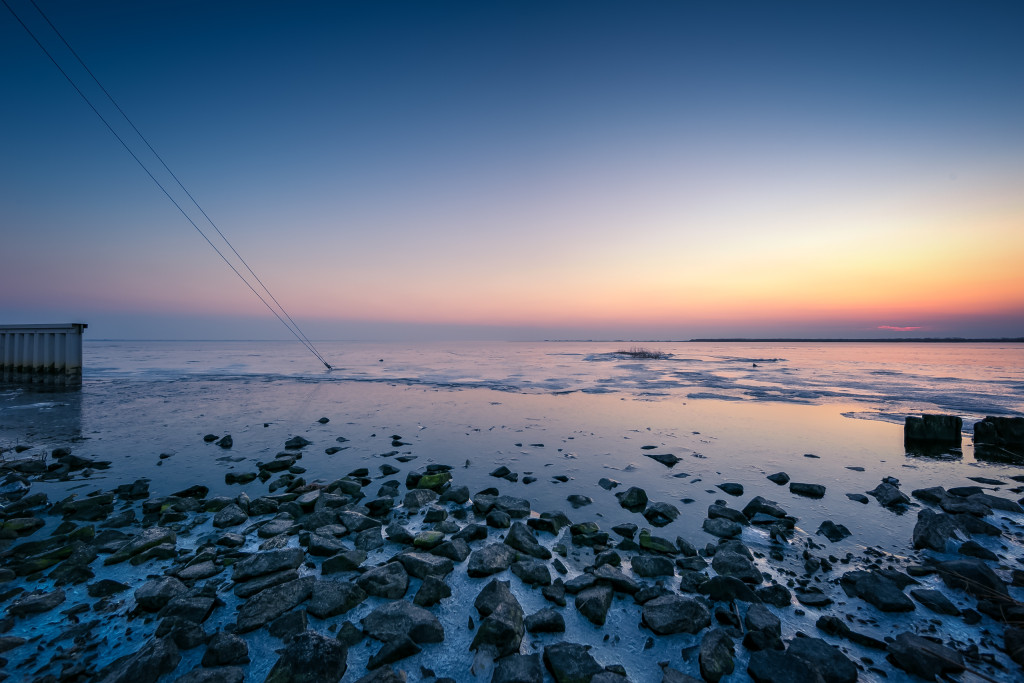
(523, 169)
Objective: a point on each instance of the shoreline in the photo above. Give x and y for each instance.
(445, 443)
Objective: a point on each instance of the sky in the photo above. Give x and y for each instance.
(520, 169)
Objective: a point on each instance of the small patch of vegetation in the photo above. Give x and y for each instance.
(640, 352)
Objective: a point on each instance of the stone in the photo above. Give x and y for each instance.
(731, 488)
(271, 603)
(456, 550)
(925, 658)
(888, 495)
(661, 514)
(147, 539)
(670, 675)
(105, 587)
(633, 498)
(517, 668)
(220, 674)
(498, 520)
(393, 651)
(675, 614)
(247, 589)
(431, 592)
(546, 620)
(388, 581)
(225, 649)
(402, 618)
(827, 660)
(297, 442)
(35, 602)
(715, 511)
(490, 559)
(594, 602)
(191, 607)
(346, 561)
(772, 666)
(780, 478)
(716, 655)
(502, 629)
(720, 588)
(330, 598)
(426, 540)
(310, 658)
(615, 577)
(289, 624)
(837, 627)
(832, 531)
(153, 595)
(936, 601)
(666, 459)
(157, 657)
(722, 528)
(230, 515)
(578, 501)
(764, 629)
(649, 566)
(456, 494)
(808, 490)
(267, 562)
(532, 572)
(517, 508)
(421, 565)
(935, 529)
(973, 576)
(730, 563)
(759, 505)
(877, 588)
(570, 662)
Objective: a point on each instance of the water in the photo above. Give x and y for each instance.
(730, 412)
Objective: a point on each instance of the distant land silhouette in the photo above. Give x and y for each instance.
(838, 340)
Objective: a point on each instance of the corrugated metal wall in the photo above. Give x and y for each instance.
(41, 354)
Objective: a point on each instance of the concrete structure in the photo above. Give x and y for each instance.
(41, 354)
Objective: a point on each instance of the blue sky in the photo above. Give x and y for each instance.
(523, 169)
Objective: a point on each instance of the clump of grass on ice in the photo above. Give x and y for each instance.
(640, 352)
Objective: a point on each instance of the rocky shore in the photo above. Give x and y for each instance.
(403, 573)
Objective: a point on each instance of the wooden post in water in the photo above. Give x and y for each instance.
(41, 354)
